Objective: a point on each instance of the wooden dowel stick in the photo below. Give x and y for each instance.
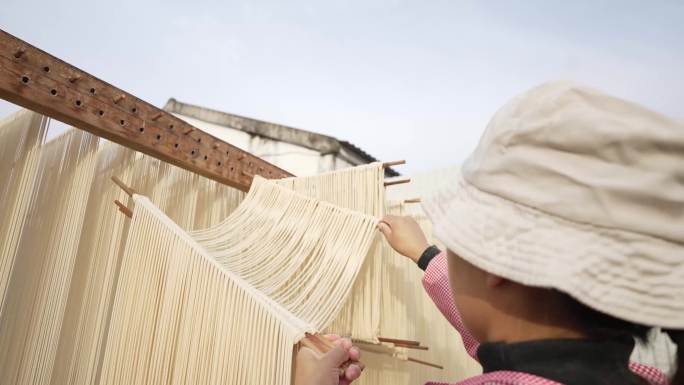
(414, 200)
(424, 362)
(411, 346)
(125, 210)
(400, 181)
(379, 349)
(123, 186)
(398, 341)
(393, 163)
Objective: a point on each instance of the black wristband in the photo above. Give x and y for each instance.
(427, 256)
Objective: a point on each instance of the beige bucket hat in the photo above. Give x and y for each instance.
(572, 189)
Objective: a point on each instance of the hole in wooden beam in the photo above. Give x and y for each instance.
(101, 112)
(25, 79)
(141, 129)
(92, 91)
(53, 92)
(46, 69)
(78, 103)
(122, 122)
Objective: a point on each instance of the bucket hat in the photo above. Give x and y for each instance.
(573, 189)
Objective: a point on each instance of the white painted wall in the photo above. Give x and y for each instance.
(297, 160)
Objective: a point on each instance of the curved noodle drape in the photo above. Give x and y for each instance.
(361, 189)
(194, 316)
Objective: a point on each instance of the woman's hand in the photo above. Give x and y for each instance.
(311, 369)
(404, 235)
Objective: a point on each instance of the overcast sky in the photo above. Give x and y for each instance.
(415, 80)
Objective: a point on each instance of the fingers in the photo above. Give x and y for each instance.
(337, 355)
(332, 337)
(343, 352)
(352, 372)
(354, 354)
(390, 219)
(384, 228)
(345, 343)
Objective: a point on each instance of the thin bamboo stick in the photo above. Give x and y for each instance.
(424, 363)
(123, 186)
(125, 210)
(393, 163)
(400, 181)
(398, 341)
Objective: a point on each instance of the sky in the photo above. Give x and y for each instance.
(414, 80)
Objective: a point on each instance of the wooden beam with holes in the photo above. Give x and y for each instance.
(43, 83)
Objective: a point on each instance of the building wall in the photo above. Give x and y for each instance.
(300, 161)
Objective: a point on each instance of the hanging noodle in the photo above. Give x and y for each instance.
(202, 295)
(185, 314)
(361, 189)
(61, 242)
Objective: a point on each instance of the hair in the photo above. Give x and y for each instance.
(677, 336)
(597, 325)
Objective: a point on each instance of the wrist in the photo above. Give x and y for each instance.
(417, 252)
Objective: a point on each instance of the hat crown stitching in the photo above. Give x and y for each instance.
(587, 157)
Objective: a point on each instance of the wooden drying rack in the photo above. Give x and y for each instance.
(43, 83)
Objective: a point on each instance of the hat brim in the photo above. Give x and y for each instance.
(630, 276)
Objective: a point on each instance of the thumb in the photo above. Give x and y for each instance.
(385, 229)
(335, 357)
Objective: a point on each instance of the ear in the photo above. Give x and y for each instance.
(493, 281)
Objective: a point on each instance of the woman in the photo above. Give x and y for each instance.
(565, 241)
